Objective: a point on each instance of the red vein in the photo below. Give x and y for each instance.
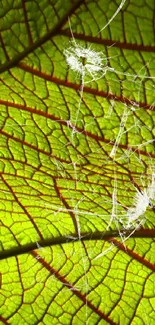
(3, 47)
(26, 23)
(22, 207)
(32, 147)
(131, 253)
(62, 199)
(121, 45)
(89, 90)
(3, 320)
(63, 122)
(81, 296)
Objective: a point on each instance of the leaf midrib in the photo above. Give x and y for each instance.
(97, 235)
(53, 32)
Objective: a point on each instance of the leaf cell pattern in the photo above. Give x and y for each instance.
(61, 261)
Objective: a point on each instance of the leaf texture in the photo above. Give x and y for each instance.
(65, 257)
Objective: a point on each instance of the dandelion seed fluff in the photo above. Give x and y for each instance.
(135, 214)
(86, 61)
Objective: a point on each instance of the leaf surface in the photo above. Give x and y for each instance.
(65, 257)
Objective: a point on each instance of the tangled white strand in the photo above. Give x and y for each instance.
(91, 65)
(115, 14)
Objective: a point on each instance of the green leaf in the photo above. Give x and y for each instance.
(76, 159)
